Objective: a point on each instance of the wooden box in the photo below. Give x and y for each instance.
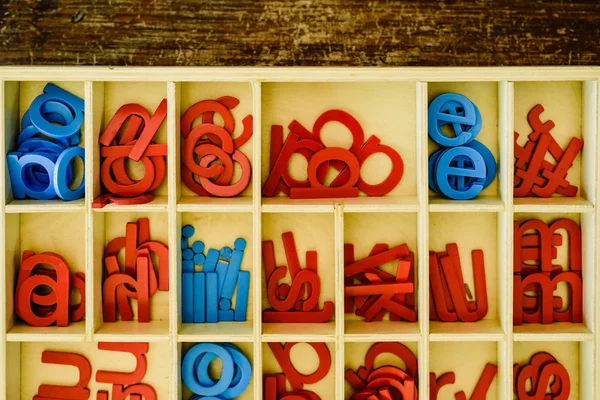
(389, 102)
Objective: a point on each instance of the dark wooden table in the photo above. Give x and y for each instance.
(301, 32)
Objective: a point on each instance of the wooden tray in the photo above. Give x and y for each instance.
(389, 102)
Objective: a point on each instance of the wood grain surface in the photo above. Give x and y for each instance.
(301, 32)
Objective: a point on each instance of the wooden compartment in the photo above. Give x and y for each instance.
(570, 106)
(364, 230)
(384, 109)
(485, 96)
(325, 388)
(107, 98)
(32, 372)
(467, 360)
(389, 103)
(311, 232)
(354, 357)
(18, 96)
(106, 227)
(566, 330)
(62, 233)
(470, 231)
(217, 230)
(246, 348)
(570, 354)
(186, 95)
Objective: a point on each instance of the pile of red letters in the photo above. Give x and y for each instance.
(531, 381)
(125, 385)
(38, 308)
(275, 384)
(386, 382)
(209, 150)
(136, 144)
(299, 301)
(535, 176)
(536, 277)
(481, 388)
(448, 300)
(348, 162)
(138, 280)
(379, 291)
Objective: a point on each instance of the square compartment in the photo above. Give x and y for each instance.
(364, 230)
(66, 236)
(485, 96)
(215, 370)
(108, 97)
(304, 358)
(371, 104)
(188, 94)
(217, 230)
(28, 371)
(572, 106)
(106, 227)
(311, 232)
(354, 357)
(467, 360)
(18, 97)
(470, 231)
(572, 355)
(566, 330)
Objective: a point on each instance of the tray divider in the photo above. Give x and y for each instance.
(257, 237)
(3, 196)
(505, 237)
(174, 228)
(89, 197)
(588, 351)
(339, 363)
(422, 280)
